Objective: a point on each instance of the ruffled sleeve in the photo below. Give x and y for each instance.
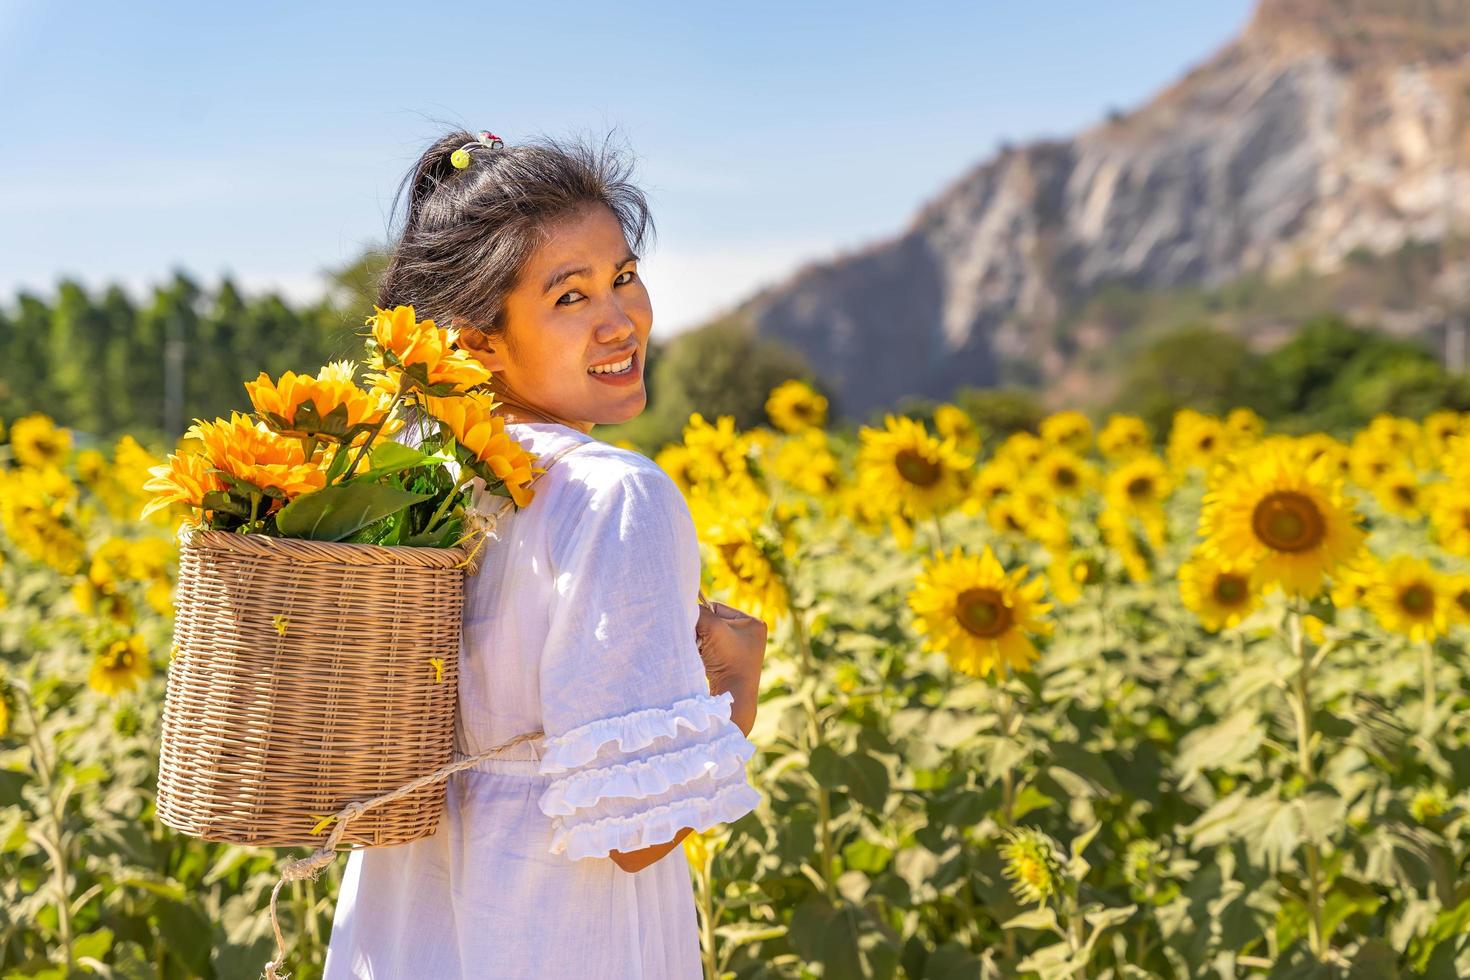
(638, 746)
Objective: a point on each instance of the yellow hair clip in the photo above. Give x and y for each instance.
(461, 157)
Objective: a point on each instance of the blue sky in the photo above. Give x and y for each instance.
(267, 140)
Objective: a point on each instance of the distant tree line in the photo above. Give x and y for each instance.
(103, 364)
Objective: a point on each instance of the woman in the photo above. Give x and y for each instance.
(560, 857)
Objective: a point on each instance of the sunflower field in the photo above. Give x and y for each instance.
(1089, 701)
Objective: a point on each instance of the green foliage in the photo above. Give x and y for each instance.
(105, 366)
(1196, 367)
(1335, 376)
(998, 412)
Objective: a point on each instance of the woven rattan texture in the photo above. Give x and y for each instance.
(271, 724)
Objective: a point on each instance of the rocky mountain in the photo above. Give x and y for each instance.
(1329, 130)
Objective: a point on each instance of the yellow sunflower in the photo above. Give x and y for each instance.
(1197, 440)
(1069, 571)
(1317, 445)
(805, 461)
(1064, 473)
(1139, 485)
(794, 406)
(717, 453)
(1352, 580)
(184, 479)
(1370, 459)
(1457, 587)
(1023, 449)
(33, 512)
(1449, 515)
(1220, 593)
(917, 474)
(675, 459)
(996, 479)
(739, 566)
(1284, 514)
(1118, 533)
(951, 421)
(978, 615)
(1397, 490)
(1410, 597)
(119, 666)
(1438, 428)
(404, 346)
(330, 406)
(1069, 430)
(1123, 436)
(251, 453)
(471, 419)
(1245, 425)
(38, 442)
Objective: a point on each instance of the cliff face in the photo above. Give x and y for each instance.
(1329, 126)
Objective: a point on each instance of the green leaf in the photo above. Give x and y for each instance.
(94, 944)
(333, 513)
(862, 855)
(394, 457)
(1042, 918)
(1216, 746)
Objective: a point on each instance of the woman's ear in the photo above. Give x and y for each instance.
(482, 349)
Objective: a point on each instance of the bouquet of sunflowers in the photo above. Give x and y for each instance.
(315, 464)
(318, 609)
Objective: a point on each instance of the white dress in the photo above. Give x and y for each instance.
(580, 622)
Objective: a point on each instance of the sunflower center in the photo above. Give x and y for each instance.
(728, 551)
(1405, 494)
(1231, 590)
(1463, 600)
(1140, 487)
(118, 659)
(982, 612)
(1031, 871)
(1066, 477)
(1418, 598)
(1288, 521)
(916, 469)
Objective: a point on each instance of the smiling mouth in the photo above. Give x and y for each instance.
(616, 368)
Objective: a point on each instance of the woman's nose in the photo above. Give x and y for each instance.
(616, 324)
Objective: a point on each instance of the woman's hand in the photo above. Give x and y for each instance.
(732, 645)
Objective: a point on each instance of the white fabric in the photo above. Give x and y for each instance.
(580, 622)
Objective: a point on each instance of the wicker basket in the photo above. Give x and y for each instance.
(303, 680)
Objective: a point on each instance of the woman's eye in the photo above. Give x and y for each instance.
(576, 292)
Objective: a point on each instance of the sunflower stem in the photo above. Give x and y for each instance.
(707, 923)
(1426, 653)
(814, 739)
(449, 499)
(1302, 704)
(938, 532)
(1004, 708)
(57, 843)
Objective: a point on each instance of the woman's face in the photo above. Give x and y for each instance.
(579, 303)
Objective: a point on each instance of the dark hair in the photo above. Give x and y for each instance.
(467, 234)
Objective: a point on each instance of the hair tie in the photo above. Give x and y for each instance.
(461, 157)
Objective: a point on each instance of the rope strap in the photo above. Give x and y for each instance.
(311, 865)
